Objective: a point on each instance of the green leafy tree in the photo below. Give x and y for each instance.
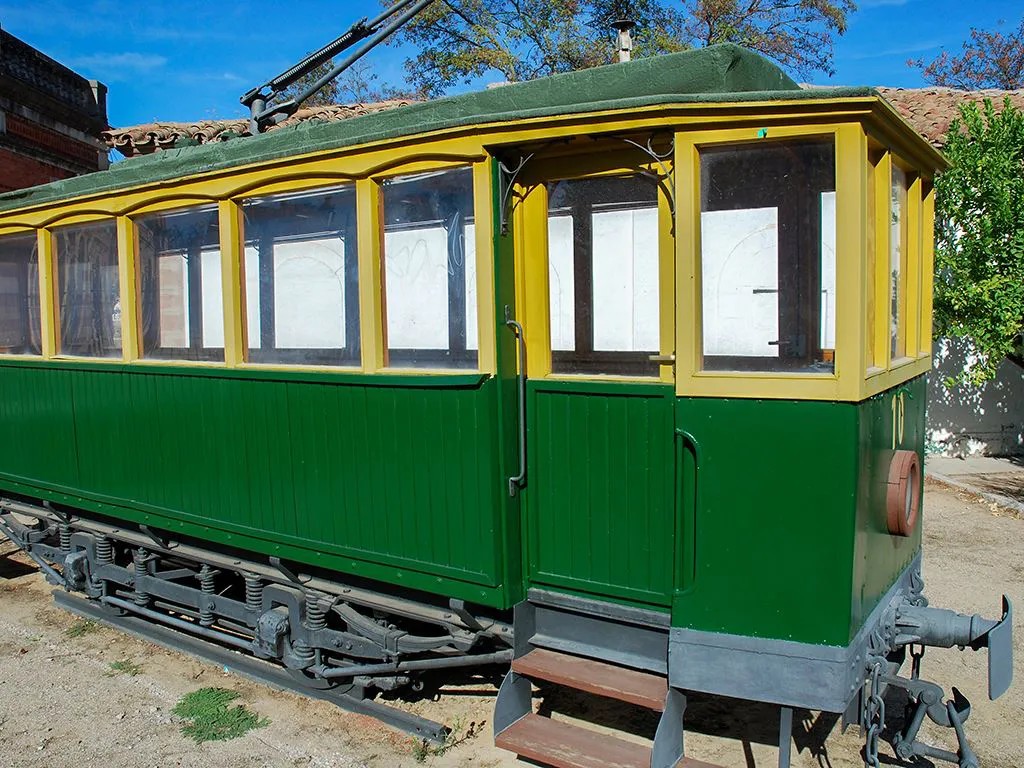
(358, 84)
(979, 259)
(987, 60)
(459, 41)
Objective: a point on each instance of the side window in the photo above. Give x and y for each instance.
(20, 328)
(898, 264)
(180, 287)
(302, 278)
(768, 263)
(88, 289)
(603, 273)
(429, 274)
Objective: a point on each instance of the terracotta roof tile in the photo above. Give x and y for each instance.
(154, 137)
(931, 110)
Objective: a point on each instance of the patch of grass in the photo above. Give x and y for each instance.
(81, 628)
(459, 734)
(125, 667)
(212, 719)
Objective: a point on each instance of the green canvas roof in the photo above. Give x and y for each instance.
(715, 74)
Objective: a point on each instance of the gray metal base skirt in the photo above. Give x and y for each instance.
(820, 677)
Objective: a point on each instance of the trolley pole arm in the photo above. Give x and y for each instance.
(263, 113)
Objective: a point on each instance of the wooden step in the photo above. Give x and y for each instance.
(563, 745)
(614, 682)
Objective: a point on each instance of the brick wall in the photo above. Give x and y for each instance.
(18, 171)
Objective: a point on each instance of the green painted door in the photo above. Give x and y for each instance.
(601, 480)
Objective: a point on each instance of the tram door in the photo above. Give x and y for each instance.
(595, 286)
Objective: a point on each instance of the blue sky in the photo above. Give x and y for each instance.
(189, 60)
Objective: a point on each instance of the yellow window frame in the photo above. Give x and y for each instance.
(44, 306)
(851, 215)
(530, 226)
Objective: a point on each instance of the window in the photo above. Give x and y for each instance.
(20, 329)
(429, 275)
(88, 289)
(898, 264)
(768, 263)
(181, 297)
(603, 270)
(302, 278)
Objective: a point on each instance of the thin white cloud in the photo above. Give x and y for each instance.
(118, 66)
(902, 50)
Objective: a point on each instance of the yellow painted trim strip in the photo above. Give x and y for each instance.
(913, 282)
(927, 270)
(486, 288)
(232, 263)
(47, 294)
(851, 259)
(533, 260)
(666, 283)
(127, 262)
(372, 318)
(689, 321)
(883, 258)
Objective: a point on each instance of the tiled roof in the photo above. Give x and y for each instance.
(153, 137)
(931, 110)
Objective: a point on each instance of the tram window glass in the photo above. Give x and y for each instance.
(768, 262)
(898, 264)
(302, 278)
(180, 288)
(603, 270)
(20, 329)
(430, 300)
(88, 289)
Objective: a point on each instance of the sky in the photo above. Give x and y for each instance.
(188, 60)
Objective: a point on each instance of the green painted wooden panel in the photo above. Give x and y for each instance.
(774, 524)
(879, 557)
(600, 494)
(403, 476)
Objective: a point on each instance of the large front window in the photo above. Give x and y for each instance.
(768, 257)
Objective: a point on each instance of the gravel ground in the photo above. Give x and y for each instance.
(60, 704)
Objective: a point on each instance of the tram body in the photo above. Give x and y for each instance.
(626, 364)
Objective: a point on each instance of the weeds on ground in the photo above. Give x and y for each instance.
(125, 667)
(459, 734)
(210, 718)
(81, 628)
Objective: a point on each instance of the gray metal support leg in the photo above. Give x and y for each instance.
(785, 735)
(668, 739)
(515, 701)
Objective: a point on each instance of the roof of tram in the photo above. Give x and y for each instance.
(720, 73)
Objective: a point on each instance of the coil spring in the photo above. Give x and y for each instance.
(104, 551)
(65, 537)
(316, 611)
(253, 593)
(208, 586)
(140, 558)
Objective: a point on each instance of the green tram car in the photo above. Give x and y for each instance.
(615, 377)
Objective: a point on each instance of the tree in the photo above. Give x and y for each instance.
(358, 84)
(798, 35)
(459, 41)
(988, 60)
(979, 259)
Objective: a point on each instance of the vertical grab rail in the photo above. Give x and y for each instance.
(518, 481)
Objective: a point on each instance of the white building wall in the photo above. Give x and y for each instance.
(964, 421)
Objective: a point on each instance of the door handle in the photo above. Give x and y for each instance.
(662, 359)
(518, 481)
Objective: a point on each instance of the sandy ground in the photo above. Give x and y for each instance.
(59, 706)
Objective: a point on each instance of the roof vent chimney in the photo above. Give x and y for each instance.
(624, 44)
